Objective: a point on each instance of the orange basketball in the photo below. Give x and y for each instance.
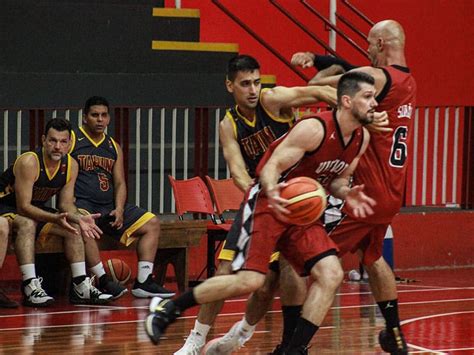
(307, 200)
(118, 270)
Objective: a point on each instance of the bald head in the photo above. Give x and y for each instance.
(386, 43)
(390, 31)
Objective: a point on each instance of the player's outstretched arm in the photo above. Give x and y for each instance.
(281, 97)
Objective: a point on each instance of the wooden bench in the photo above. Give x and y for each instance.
(175, 238)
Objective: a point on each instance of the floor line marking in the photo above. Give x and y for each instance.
(412, 320)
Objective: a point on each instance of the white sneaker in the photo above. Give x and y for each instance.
(86, 293)
(233, 340)
(34, 295)
(193, 345)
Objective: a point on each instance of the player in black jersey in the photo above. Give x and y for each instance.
(25, 188)
(259, 117)
(100, 188)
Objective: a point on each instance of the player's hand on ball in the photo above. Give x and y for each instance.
(277, 203)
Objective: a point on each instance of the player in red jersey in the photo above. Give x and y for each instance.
(320, 141)
(383, 170)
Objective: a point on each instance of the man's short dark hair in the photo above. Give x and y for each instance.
(59, 124)
(349, 83)
(93, 101)
(241, 62)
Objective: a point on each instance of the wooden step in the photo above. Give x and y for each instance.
(195, 46)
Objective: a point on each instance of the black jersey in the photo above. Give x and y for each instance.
(254, 137)
(96, 162)
(45, 186)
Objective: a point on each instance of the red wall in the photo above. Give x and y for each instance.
(439, 38)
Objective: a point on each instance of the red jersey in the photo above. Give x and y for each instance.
(382, 168)
(327, 161)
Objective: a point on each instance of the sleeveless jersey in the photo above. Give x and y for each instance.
(45, 186)
(96, 162)
(254, 137)
(327, 161)
(382, 168)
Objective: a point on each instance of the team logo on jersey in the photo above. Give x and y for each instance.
(90, 162)
(405, 111)
(258, 143)
(63, 169)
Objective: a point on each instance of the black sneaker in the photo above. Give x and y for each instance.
(109, 286)
(164, 313)
(393, 342)
(6, 302)
(150, 288)
(86, 293)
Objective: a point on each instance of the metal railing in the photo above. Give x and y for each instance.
(259, 39)
(184, 142)
(333, 27)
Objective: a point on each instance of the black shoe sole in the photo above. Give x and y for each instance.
(37, 305)
(154, 337)
(90, 302)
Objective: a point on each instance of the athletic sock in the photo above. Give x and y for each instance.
(185, 301)
(98, 270)
(201, 328)
(247, 328)
(145, 268)
(27, 271)
(291, 314)
(303, 333)
(389, 311)
(78, 269)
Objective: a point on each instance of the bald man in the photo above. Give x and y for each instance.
(382, 169)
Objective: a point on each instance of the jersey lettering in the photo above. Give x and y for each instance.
(257, 143)
(404, 111)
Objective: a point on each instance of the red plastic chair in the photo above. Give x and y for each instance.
(192, 196)
(226, 195)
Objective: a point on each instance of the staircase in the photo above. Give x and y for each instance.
(59, 52)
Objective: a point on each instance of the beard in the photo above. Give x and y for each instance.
(364, 118)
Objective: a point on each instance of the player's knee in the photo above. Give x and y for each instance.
(24, 227)
(269, 287)
(4, 227)
(154, 224)
(224, 268)
(330, 275)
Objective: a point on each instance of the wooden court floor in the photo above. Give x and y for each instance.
(437, 313)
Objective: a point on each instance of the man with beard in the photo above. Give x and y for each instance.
(316, 141)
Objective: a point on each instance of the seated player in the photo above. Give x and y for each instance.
(26, 187)
(101, 188)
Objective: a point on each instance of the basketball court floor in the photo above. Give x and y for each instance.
(437, 313)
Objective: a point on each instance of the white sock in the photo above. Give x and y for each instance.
(201, 328)
(145, 268)
(78, 269)
(246, 327)
(98, 270)
(28, 271)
